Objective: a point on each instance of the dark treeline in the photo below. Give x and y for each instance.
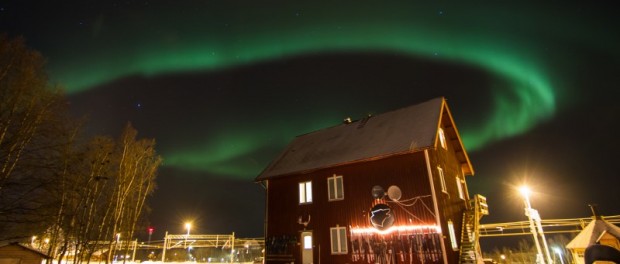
(62, 192)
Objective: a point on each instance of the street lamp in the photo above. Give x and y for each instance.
(118, 239)
(535, 226)
(559, 252)
(188, 226)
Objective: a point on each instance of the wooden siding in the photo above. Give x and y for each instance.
(409, 172)
(451, 206)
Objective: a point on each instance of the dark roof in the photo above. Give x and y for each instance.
(592, 233)
(406, 130)
(15, 244)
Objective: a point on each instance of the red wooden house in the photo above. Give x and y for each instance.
(388, 188)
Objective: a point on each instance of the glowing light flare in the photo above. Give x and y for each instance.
(525, 191)
(401, 228)
(188, 226)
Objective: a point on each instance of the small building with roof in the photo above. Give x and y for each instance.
(598, 231)
(15, 253)
(388, 188)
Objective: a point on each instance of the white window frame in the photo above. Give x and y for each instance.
(442, 138)
(340, 239)
(305, 192)
(459, 186)
(453, 241)
(332, 190)
(442, 180)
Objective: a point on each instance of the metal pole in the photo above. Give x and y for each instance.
(189, 257)
(163, 254)
(232, 248)
(542, 235)
(135, 246)
(528, 213)
(118, 238)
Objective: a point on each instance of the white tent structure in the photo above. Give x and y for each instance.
(598, 231)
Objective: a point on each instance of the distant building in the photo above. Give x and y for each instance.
(15, 253)
(388, 188)
(598, 231)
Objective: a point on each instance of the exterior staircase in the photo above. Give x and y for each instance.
(470, 246)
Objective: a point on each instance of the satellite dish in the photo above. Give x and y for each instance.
(394, 193)
(378, 192)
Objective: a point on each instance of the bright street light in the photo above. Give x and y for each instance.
(525, 191)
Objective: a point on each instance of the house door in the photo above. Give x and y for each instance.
(306, 248)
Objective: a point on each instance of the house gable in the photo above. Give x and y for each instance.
(452, 134)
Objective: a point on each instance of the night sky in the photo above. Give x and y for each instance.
(223, 86)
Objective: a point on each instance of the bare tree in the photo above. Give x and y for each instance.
(106, 195)
(78, 194)
(34, 130)
(135, 180)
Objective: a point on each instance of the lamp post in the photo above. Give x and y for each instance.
(542, 235)
(118, 239)
(188, 226)
(531, 215)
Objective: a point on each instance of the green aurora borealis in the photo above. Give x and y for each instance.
(223, 86)
(509, 43)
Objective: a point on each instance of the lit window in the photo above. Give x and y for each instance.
(305, 192)
(308, 242)
(339, 240)
(452, 235)
(442, 180)
(442, 138)
(335, 188)
(459, 185)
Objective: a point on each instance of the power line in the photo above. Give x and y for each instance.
(551, 226)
